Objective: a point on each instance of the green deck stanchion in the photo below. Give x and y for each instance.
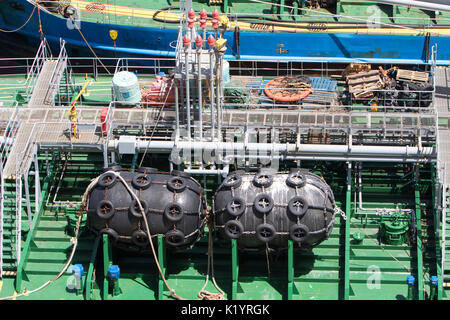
(225, 6)
(235, 269)
(281, 8)
(162, 262)
(418, 236)
(106, 265)
(348, 208)
(290, 269)
(438, 248)
(89, 283)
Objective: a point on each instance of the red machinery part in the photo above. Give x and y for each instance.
(161, 91)
(103, 115)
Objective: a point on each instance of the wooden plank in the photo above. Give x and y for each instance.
(363, 74)
(416, 76)
(375, 78)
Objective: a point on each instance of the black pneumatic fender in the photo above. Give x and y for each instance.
(270, 208)
(173, 204)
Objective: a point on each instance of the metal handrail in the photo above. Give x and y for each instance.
(108, 123)
(9, 133)
(62, 59)
(42, 54)
(20, 171)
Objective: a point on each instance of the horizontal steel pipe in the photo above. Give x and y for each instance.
(167, 146)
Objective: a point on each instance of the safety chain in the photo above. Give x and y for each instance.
(342, 213)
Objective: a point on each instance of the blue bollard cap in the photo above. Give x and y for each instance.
(161, 74)
(114, 272)
(78, 270)
(410, 280)
(434, 281)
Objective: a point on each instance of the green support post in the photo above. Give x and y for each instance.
(273, 9)
(300, 7)
(89, 283)
(80, 290)
(134, 161)
(348, 208)
(418, 236)
(339, 7)
(225, 6)
(290, 269)
(107, 262)
(281, 8)
(162, 261)
(438, 252)
(235, 269)
(395, 11)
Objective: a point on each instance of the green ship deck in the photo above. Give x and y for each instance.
(42, 191)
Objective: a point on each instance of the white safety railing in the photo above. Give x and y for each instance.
(43, 53)
(57, 73)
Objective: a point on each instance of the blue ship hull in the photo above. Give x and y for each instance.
(136, 41)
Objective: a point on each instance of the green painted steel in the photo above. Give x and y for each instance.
(339, 268)
(348, 214)
(234, 269)
(438, 236)
(89, 278)
(290, 269)
(107, 262)
(419, 255)
(162, 262)
(29, 243)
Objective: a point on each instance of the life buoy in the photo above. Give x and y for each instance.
(277, 90)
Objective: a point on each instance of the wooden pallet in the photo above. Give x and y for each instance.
(362, 84)
(415, 76)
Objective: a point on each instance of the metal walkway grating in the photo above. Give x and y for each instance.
(42, 96)
(442, 94)
(38, 97)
